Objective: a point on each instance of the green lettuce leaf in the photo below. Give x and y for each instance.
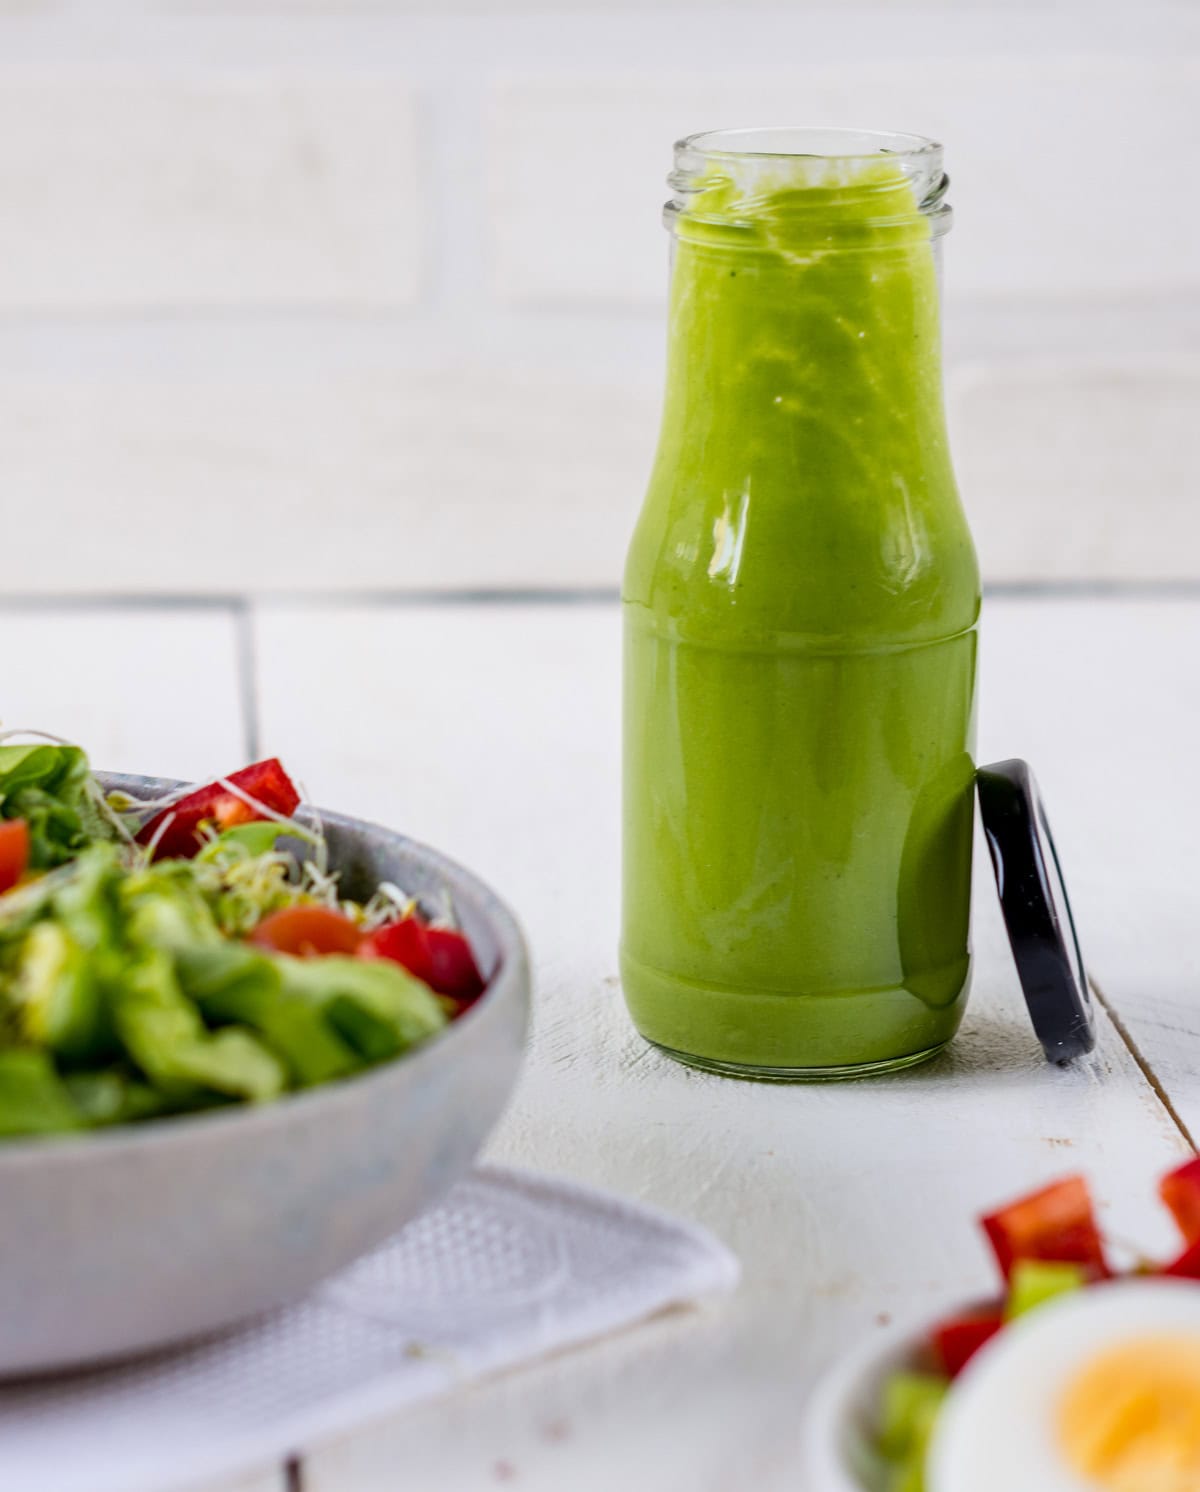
(58, 998)
(375, 1006)
(257, 838)
(33, 1098)
(165, 905)
(164, 1035)
(230, 982)
(48, 787)
(111, 1096)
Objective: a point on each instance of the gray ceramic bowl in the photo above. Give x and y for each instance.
(134, 1238)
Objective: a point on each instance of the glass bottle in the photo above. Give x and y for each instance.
(801, 600)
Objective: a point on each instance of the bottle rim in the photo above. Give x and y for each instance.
(835, 142)
(742, 154)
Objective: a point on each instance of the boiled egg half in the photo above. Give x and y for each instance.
(1096, 1392)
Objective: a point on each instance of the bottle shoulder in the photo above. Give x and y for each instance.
(872, 569)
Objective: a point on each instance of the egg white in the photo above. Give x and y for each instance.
(997, 1430)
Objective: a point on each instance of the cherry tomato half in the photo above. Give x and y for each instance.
(14, 852)
(438, 955)
(307, 932)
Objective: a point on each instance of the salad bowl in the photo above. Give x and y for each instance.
(129, 1239)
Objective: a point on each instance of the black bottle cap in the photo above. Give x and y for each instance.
(1036, 910)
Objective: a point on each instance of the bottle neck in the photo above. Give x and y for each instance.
(810, 337)
(803, 484)
(804, 302)
(826, 188)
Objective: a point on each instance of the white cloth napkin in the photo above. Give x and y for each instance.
(508, 1267)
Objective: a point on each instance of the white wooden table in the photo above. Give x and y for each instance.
(491, 730)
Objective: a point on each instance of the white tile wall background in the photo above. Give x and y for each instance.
(140, 190)
(1055, 162)
(368, 294)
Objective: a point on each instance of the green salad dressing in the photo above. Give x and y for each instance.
(801, 597)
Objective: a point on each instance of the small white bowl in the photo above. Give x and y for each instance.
(843, 1413)
(1039, 1350)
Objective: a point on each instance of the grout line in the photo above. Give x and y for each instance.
(247, 676)
(121, 601)
(1144, 1067)
(240, 600)
(1070, 590)
(585, 595)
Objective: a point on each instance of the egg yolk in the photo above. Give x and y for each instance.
(1130, 1420)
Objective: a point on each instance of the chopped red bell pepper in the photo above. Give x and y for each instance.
(266, 782)
(1187, 1266)
(955, 1342)
(404, 942)
(437, 955)
(1180, 1190)
(14, 852)
(1057, 1223)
